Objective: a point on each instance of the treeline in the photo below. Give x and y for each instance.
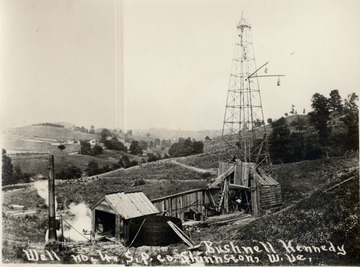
(48, 124)
(330, 129)
(186, 147)
(12, 174)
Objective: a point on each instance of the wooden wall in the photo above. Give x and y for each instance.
(270, 196)
(176, 205)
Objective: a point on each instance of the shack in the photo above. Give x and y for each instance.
(237, 182)
(186, 205)
(124, 217)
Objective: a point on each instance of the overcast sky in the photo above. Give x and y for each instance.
(141, 64)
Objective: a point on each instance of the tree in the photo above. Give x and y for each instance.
(92, 129)
(61, 147)
(143, 144)
(85, 148)
(320, 117)
(351, 121)
(335, 104)
(279, 141)
(97, 150)
(135, 148)
(20, 176)
(258, 123)
(7, 169)
(299, 123)
(292, 111)
(157, 142)
(92, 168)
(269, 120)
(115, 144)
(104, 134)
(71, 172)
(207, 138)
(152, 157)
(186, 147)
(151, 144)
(198, 147)
(125, 162)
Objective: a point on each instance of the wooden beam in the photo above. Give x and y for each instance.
(255, 196)
(236, 186)
(221, 177)
(347, 180)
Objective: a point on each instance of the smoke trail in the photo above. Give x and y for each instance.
(81, 220)
(42, 189)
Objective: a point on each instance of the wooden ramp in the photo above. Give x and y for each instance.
(183, 236)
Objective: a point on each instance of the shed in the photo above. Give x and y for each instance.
(112, 214)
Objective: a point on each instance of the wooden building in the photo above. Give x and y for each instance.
(180, 204)
(257, 191)
(112, 214)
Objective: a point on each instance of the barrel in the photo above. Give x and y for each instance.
(154, 232)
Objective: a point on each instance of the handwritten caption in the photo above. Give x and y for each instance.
(211, 253)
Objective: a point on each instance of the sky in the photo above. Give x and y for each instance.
(166, 63)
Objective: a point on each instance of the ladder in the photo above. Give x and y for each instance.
(221, 197)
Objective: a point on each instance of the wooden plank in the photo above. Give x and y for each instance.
(187, 240)
(221, 177)
(255, 196)
(117, 227)
(105, 208)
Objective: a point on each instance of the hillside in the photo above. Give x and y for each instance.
(308, 216)
(323, 212)
(46, 132)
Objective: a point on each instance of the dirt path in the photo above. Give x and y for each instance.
(191, 167)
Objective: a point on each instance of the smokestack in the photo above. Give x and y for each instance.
(52, 218)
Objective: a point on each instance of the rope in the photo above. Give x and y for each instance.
(136, 234)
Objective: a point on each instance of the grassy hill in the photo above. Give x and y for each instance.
(311, 216)
(47, 132)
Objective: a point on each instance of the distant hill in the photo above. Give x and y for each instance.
(42, 139)
(66, 124)
(164, 133)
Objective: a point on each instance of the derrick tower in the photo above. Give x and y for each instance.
(244, 127)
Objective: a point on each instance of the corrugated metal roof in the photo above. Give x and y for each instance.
(131, 205)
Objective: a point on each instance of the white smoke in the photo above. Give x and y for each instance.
(43, 191)
(80, 220)
(79, 215)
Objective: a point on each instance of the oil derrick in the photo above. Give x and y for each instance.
(244, 127)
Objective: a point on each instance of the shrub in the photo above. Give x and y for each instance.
(71, 172)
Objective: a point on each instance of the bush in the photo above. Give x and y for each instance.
(97, 149)
(186, 147)
(71, 172)
(139, 182)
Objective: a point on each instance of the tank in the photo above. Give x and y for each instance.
(154, 232)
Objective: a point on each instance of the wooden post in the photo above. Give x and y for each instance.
(51, 188)
(238, 175)
(93, 221)
(255, 195)
(226, 195)
(117, 227)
